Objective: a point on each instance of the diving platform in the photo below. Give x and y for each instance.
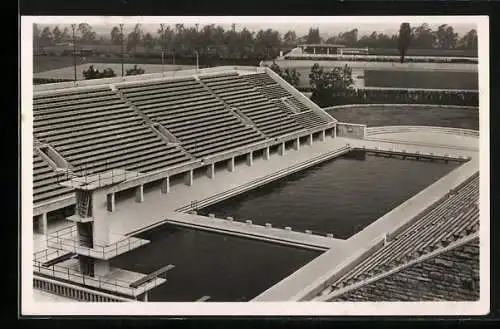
(116, 280)
(99, 180)
(68, 240)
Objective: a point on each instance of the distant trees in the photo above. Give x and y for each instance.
(404, 39)
(327, 84)
(313, 36)
(214, 41)
(290, 75)
(116, 37)
(135, 71)
(92, 73)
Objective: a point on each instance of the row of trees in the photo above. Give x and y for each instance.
(267, 43)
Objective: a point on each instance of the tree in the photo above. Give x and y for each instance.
(108, 73)
(327, 84)
(36, 39)
(289, 75)
(446, 37)
(86, 33)
(116, 37)
(134, 38)
(349, 38)
(404, 39)
(423, 37)
(469, 40)
(148, 41)
(313, 36)
(135, 71)
(290, 38)
(46, 38)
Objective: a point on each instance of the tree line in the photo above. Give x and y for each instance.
(214, 40)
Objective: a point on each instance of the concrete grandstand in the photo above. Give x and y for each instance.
(155, 130)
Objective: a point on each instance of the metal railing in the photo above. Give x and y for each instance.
(399, 129)
(96, 281)
(67, 239)
(74, 292)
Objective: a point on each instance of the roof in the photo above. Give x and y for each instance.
(321, 45)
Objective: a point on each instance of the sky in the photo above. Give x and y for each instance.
(329, 26)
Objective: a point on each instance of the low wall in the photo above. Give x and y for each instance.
(422, 129)
(351, 130)
(416, 106)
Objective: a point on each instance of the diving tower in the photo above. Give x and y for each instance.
(89, 246)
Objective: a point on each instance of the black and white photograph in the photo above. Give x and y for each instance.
(245, 165)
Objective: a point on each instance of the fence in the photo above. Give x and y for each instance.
(390, 59)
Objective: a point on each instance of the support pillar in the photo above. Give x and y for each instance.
(334, 132)
(165, 185)
(145, 297)
(310, 140)
(211, 171)
(101, 267)
(281, 149)
(296, 144)
(42, 223)
(250, 159)
(322, 136)
(266, 153)
(111, 202)
(230, 164)
(188, 178)
(139, 193)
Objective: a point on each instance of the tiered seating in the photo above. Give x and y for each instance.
(299, 105)
(235, 91)
(194, 115)
(449, 221)
(274, 91)
(95, 130)
(45, 180)
(259, 79)
(452, 275)
(278, 103)
(309, 119)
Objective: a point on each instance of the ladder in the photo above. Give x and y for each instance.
(83, 205)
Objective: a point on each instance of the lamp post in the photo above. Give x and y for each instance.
(162, 49)
(121, 35)
(73, 27)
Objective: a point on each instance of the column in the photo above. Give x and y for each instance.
(101, 267)
(230, 164)
(334, 132)
(111, 202)
(296, 144)
(281, 149)
(211, 171)
(310, 140)
(322, 136)
(139, 193)
(250, 159)
(266, 153)
(188, 178)
(165, 185)
(145, 297)
(42, 223)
